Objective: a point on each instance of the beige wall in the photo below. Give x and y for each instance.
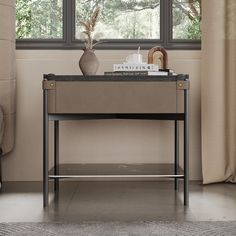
(94, 141)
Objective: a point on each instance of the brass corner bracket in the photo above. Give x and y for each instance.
(49, 85)
(183, 85)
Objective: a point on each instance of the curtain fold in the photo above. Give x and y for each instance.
(218, 90)
(7, 74)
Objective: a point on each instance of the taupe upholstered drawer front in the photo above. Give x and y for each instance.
(113, 97)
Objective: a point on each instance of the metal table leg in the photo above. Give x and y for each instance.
(176, 153)
(56, 154)
(186, 148)
(0, 171)
(45, 148)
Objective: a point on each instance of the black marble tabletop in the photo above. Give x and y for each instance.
(115, 78)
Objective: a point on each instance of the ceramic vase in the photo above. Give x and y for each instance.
(88, 62)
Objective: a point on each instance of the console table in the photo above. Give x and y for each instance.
(68, 97)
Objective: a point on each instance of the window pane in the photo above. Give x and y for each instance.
(122, 19)
(39, 19)
(186, 19)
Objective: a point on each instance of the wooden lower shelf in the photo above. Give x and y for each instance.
(88, 171)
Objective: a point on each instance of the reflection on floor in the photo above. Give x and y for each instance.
(116, 201)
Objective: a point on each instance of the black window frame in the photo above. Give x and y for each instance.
(69, 42)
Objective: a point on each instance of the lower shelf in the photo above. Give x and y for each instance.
(87, 171)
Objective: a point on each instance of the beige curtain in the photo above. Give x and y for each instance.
(7, 73)
(218, 90)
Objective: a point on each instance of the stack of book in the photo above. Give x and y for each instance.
(138, 69)
(135, 67)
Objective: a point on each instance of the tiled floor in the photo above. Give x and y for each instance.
(117, 201)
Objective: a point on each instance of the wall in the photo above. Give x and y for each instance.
(94, 141)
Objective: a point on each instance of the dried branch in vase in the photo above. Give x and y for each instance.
(89, 27)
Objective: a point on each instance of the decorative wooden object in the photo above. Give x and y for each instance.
(158, 55)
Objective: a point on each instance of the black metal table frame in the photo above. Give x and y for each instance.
(57, 117)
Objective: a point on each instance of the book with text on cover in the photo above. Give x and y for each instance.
(145, 73)
(135, 67)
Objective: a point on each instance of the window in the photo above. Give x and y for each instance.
(124, 19)
(186, 19)
(39, 19)
(124, 24)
